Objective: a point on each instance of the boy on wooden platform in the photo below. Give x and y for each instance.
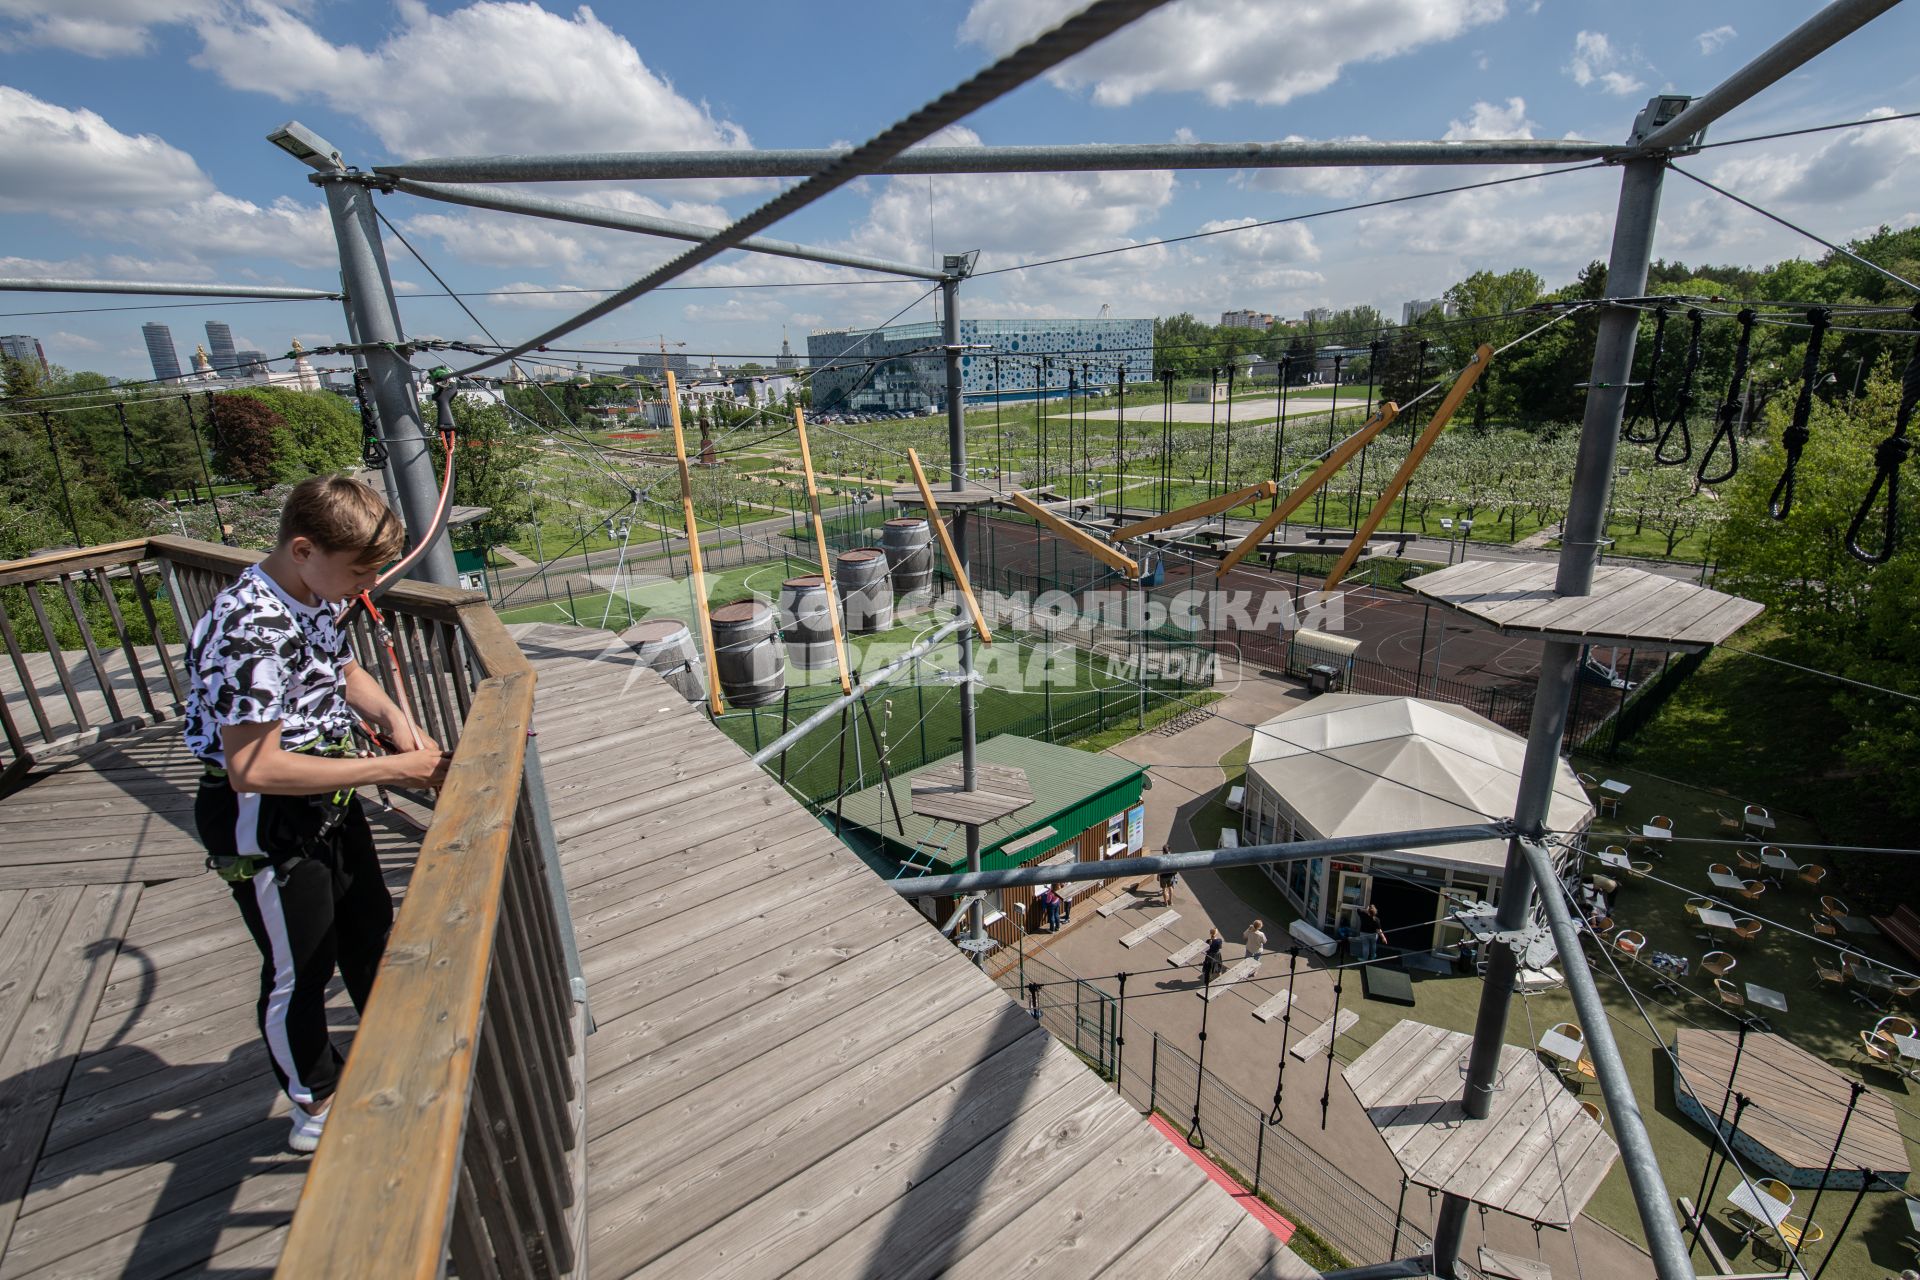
(273, 699)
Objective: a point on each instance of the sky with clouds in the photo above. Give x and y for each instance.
(135, 149)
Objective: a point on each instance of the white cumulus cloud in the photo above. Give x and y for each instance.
(56, 159)
(96, 28)
(1711, 41)
(491, 77)
(1596, 62)
(1231, 50)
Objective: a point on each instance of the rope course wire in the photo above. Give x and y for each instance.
(1683, 400)
(1632, 429)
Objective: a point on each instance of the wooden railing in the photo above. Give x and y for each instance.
(458, 1131)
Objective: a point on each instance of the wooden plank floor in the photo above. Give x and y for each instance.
(1536, 1155)
(1798, 1101)
(792, 1071)
(152, 1139)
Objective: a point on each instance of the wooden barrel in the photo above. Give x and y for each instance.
(805, 623)
(748, 654)
(866, 599)
(666, 645)
(908, 542)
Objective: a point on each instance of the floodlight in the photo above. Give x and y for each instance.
(305, 145)
(1446, 522)
(960, 264)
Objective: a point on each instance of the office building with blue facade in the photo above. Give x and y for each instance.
(902, 367)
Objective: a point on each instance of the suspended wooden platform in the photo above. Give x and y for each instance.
(940, 792)
(1626, 606)
(1536, 1155)
(1796, 1103)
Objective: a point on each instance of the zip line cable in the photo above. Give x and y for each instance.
(1900, 280)
(1818, 128)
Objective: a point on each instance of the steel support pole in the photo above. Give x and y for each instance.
(1612, 369)
(957, 471)
(1664, 1242)
(374, 316)
(271, 293)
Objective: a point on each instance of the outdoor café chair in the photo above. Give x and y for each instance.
(1593, 1111)
(1824, 925)
(1834, 907)
(1719, 869)
(1629, 941)
(1895, 1025)
(1811, 875)
(1746, 930)
(1727, 821)
(1879, 1047)
(1730, 995)
(1718, 963)
(1757, 811)
(1751, 889)
(1748, 861)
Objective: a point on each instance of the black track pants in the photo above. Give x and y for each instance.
(308, 920)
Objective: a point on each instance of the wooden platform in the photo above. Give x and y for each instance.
(1536, 1155)
(940, 792)
(792, 1073)
(141, 1131)
(1796, 1104)
(1625, 606)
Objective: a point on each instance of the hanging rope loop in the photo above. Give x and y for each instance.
(1643, 426)
(1682, 400)
(1728, 428)
(134, 458)
(1888, 456)
(1794, 438)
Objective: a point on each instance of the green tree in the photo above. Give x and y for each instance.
(1483, 304)
(1846, 617)
(247, 437)
(319, 432)
(491, 468)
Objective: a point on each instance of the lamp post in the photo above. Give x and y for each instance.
(1466, 533)
(1446, 527)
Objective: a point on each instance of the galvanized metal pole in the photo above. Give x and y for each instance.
(1827, 27)
(374, 316)
(615, 166)
(1664, 1242)
(273, 293)
(1638, 210)
(957, 471)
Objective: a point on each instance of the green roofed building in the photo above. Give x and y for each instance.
(1086, 808)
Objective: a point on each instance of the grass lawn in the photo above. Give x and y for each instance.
(1822, 1021)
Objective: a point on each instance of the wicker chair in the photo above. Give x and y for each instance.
(1834, 907)
(1878, 1046)
(1639, 870)
(1727, 821)
(1718, 963)
(1751, 889)
(1593, 1111)
(1823, 926)
(1719, 869)
(1811, 875)
(1832, 975)
(1746, 930)
(1756, 811)
(1895, 1025)
(1748, 861)
(1629, 942)
(1730, 995)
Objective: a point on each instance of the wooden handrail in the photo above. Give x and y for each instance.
(43, 568)
(378, 1200)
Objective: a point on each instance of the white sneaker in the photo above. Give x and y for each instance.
(305, 1134)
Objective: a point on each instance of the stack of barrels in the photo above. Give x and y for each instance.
(666, 646)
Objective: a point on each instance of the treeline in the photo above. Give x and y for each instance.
(1541, 382)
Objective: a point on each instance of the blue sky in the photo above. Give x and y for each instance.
(135, 150)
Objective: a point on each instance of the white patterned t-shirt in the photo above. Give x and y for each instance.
(258, 656)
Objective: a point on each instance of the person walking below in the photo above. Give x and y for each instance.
(1256, 940)
(1369, 933)
(1050, 903)
(1215, 961)
(1169, 881)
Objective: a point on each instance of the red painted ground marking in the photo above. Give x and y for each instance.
(1253, 1204)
